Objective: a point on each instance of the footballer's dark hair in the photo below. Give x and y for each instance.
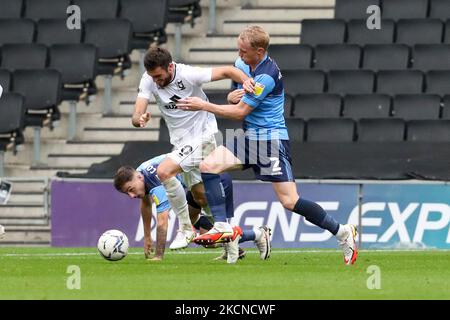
(122, 176)
(157, 57)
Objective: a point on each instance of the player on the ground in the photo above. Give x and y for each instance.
(192, 134)
(143, 183)
(262, 113)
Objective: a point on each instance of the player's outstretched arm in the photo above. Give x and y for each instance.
(146, 213)
(228, 72)
(234, 111)
(161, 234)
(140, 116)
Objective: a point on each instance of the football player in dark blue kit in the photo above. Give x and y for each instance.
(143, 183)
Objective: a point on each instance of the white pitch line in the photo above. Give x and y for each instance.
(215, 252)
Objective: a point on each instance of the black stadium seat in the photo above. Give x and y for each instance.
(55, 31)
(447, 32)
(98, 9)
(5, 80)
(399, 82)
(370, 106)
(330, 130)
(296, 129)
(431, 57)
(24, 56)
(112, 51)
(46, 9)
(11, 8)
(429, 131)
(323, 31)
(404, 9)
(353, 9)
(437, 82)
(440, 9)
(358, 33)
(417, 107)
(446, 108)
(337, 57)
(12, 120)
(317, 106)
(291, 56)
(288, 106)
(303, 82)
(419, 31)
(351, 82)
(386, 57)
(381, 130)
(146, 30)
(16, 31)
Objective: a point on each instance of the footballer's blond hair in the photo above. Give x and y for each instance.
(256, 36)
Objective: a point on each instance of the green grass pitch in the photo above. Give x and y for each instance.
(41, 273)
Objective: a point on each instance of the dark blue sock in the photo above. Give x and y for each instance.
(316, 215)
(216, 196)
(247, 235)
(203, 223)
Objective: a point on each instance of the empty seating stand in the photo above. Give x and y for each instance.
(404, 9)
(16, 31)
(381, 130)
(292, 56)
(55, 31)
(386, 57)
(428, 131)
(24, 56)
(431, 57)
(303, 82)
(337, 57)
(317, 106)
(366, 106)
(400, 82)
(417, 107)
(11, 8)
(330, 130)
(437, 82)
(46, 9)
(351, 82)
(358, 33)
(419, 31)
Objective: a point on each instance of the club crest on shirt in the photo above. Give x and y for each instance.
(180, 85)
(185, 150)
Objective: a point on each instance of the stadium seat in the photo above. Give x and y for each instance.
(404, 9)
(381, 130)
(303, 82)
(386, 57)
(431, 57)
(296, 129)
(16, 31)
(98, 9)
(322, 31)
(218, 96)
(446, 108)
(46, 9)
(291, 56)
(353, 9)
(12, 110)
(11, 8)
(416, 107)
(54, 31)
(437, 82)
(288, 106)
(317, 106)
(5, 80)
(351, 82)
(330, 130)
(24, 56)
(149, 19)
(419, 31)
(447, 32)
(41, 89)
(163, 131)
(358, 33)
(78, 76)
(440, 9)
(429, 131)
(369, 106)
(337, 57)
(399, 82)
(113, 52)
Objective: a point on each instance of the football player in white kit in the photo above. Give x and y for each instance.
(191, 134)
(2, 229)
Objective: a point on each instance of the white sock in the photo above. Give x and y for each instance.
(178, 202)
(258, 234)
(342, 232)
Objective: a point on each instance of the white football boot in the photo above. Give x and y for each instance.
(263, 244)
(182, 239)
(348, 245)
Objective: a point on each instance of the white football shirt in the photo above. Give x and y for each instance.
(187, 82)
